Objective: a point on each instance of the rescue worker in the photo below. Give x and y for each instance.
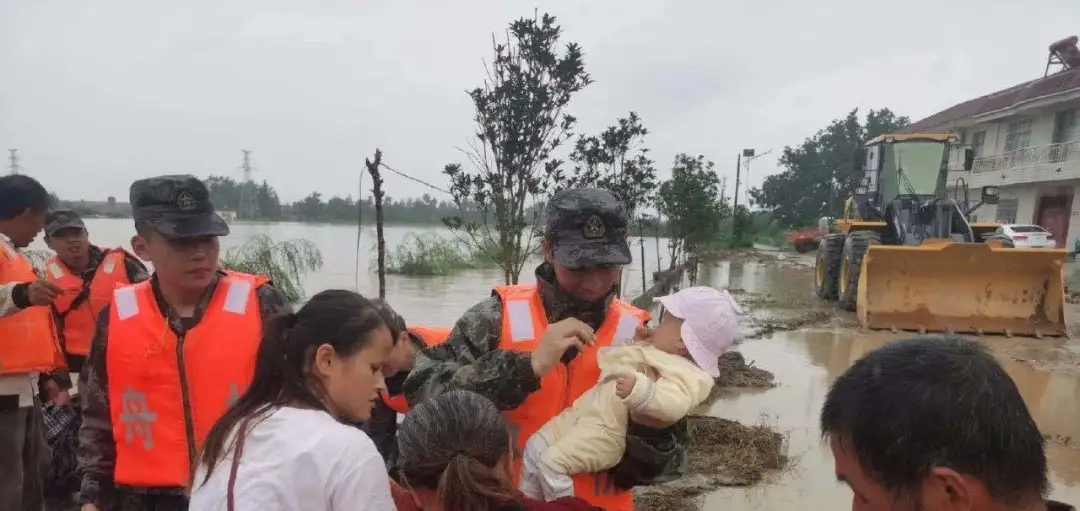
(169, 355)
(28, 344)
(88, 276)
(382, 426)
(532, 349)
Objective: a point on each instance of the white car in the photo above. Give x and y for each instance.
(1028, 236)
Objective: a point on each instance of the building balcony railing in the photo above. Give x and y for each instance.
(1028, 165)
(1029, 157)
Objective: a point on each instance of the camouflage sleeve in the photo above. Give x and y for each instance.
(270, 301)
(652, 456)
(382, 428)
(470, 360)
(136, 270)
(96, 453)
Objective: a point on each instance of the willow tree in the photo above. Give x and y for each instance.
(285, 262)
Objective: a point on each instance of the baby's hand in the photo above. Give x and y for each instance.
(624, 384)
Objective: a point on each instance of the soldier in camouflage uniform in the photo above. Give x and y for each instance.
(174, 215)
(584, 248)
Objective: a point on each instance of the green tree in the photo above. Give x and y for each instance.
(617, 160)
(820, 174)
(691, 203)
(520, 120)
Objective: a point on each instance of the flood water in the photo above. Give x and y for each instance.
(806, 362)
(421, 300)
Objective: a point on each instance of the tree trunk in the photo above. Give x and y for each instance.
(376, 189)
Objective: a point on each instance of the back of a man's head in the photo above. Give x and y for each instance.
(928, 403)
(19, 193)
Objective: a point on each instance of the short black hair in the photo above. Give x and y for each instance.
(19, 193)
(936, 401)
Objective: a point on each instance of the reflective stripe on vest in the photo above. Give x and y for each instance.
(27, 338)
(78, 323)
(524, 321)
(432, 336)
(159, 423)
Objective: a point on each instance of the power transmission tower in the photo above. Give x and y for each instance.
(249, 203)
(13, 161)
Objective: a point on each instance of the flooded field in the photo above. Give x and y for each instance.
(807, 358)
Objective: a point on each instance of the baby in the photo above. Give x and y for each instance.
(681, 355)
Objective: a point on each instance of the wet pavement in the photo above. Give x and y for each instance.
(807, 360)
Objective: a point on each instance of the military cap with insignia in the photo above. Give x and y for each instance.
(588, 227)
(176, 207)
(60, 219)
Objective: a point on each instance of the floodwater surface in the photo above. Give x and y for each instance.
(806, 362)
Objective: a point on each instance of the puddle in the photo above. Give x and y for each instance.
(806, 362)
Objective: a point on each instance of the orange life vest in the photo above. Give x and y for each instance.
(432, 336)
(523, 321)
(76, 310)
(166, 392)
(28, 341)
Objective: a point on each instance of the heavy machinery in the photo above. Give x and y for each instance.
(905, 257)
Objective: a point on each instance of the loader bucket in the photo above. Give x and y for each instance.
(942, 286)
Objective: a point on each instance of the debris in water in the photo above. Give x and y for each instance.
(721, 452)
(1066, 441)
(736, 372)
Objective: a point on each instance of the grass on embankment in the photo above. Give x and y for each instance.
(432, 255)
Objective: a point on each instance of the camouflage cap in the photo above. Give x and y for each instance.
(393, 320)
(60, 219)
(176, 206)
(588, 227)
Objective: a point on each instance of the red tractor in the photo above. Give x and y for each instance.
(805, 241)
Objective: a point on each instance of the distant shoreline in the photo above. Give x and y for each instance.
(365, 223)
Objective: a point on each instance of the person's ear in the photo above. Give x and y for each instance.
(945, 488)
(323, 361)
(138, 245)
(547, 251)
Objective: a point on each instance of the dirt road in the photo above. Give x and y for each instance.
(806, 344)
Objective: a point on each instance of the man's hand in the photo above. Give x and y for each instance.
(42, 292)
(624, 385)
(559, 337)
(642, 334)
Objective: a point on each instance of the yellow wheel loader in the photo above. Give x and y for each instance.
(905, 257)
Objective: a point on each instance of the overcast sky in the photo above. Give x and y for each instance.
(96, 94)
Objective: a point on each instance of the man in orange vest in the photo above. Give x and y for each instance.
(382, 426)
(88, 276)
(169, 355)
(28, 344)
(532, 349)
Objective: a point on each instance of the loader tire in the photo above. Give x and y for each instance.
(851, 265)
(827, 266)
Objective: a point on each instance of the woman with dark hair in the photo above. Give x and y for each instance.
(455, 455)
(285, 444)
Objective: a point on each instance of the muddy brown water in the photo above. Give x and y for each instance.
(805, 362)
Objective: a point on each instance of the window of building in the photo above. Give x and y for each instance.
(1066, 126)
(978, 140)
(1006, 210)
(1018, 135)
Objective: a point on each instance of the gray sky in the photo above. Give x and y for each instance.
(97, 94)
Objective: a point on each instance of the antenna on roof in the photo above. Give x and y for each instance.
(1063, 54)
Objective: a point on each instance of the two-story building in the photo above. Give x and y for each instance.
(1026, 141)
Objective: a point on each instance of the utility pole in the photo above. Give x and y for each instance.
(249, 204)
(738, 175)
(13, 161)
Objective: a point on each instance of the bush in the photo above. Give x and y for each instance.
(285, 262)
(429, 254)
